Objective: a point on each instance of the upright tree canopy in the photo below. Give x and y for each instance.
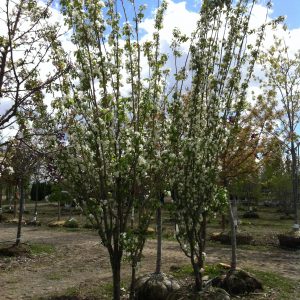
(114, 118)
(28, 39)
(282, 83)
(199, 132)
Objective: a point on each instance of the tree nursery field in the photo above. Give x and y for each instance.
(71, 263)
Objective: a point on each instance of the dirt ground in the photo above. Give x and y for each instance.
(79, 257)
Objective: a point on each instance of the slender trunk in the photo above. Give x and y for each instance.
(203, 231)
(116, 270)
(35, 211)
(21, 209)
(132, 218)
(201, 258)
(223, 222)
(36, 201)
(233, 237)
(132, 286)
(71, 211)
(9, 196)
(59, 211)
(0, 203)
(24, 200)
(295, 185)
(15, 202)
(159, 240)
(198, 277)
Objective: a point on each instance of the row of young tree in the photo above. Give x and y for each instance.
(123, 129)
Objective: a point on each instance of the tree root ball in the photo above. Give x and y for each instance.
(208, 293)
(57, 223)
(242, 238)
(251, 215)
(69, 298)
(15, 221)
(14, 250)
(155, 287)
(71, 223)
(286, 217)
(290, 240)
(34, 223)
(237, 282)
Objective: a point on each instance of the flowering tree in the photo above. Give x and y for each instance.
(27, 38)
(221, 66)
(5, 176)
(275, 175)
(282, 83)
(244, 151)
(20, 163)
(113, 115)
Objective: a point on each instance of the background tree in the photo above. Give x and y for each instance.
(241, 159)
(24, 48)
(29, 42)
(39, 190)
(275, 177)
(282, 82)
(22, 161)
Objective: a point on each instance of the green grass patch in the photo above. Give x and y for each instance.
(72, 291)
(105, 291)
(285, 288)
(213, 270)
(187, 270)
(182, 271)
(259, 248)
(64, 229)
(281, 287)
(55, 276)
(37, 249)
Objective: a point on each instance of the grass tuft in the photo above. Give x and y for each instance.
(37, 249)
(284, 288)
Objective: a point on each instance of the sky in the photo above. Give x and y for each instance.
(288, 8)
(184, 15)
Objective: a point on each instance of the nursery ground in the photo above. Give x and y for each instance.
(68, 261)
(77, 258)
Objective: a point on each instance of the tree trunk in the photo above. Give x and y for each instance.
(0, 203)
(132, 218)
(203, 231)
(159, 240)
(36, 201)
(295, 185)
(15, 202)
(24, 198)
(198, 277)
(59, 211)
(21, 210)
(233, 236)
(132, 286)
(223, 222)
(116, 270)
(9, 196)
